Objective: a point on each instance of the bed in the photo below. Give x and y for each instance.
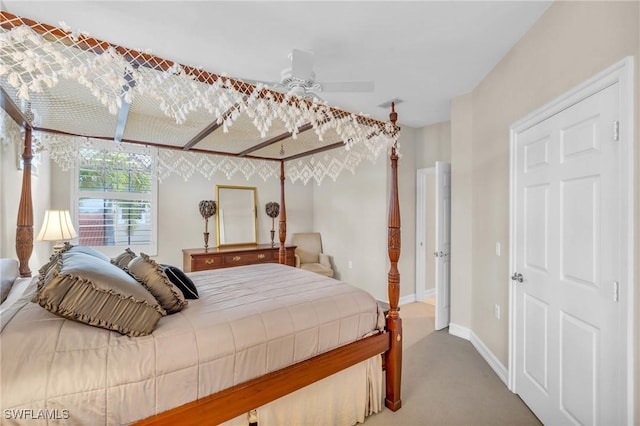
(330, 364)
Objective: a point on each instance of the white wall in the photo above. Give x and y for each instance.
(10, 187)
(570, 43)
(180, 225)
(352, 215)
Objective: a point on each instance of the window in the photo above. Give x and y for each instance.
(116, 197)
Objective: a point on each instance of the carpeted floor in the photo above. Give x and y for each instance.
(445, 381)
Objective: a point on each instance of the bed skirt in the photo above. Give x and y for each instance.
(344, 398)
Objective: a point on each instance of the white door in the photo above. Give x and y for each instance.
(443, 244)
(569, 329)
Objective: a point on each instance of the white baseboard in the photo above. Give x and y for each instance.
(491, 359)
(483, 350)
(410, 298)
(459, 331)
(404, 300)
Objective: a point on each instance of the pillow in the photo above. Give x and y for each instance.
(123, 259)
(151, 276)
(8, 274)
(96, 293)
(181, 280)
(51, 267)
(90, 251)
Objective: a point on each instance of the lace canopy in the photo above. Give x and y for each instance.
(73, 89)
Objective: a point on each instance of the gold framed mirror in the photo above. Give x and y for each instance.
(236, 221)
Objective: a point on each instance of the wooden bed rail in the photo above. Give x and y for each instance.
(232, 402)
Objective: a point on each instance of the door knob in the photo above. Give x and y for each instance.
(517, 277)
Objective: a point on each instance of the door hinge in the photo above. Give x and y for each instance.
(616, 130)
(616, 291)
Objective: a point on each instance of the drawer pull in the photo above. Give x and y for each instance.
(209, 261)
(261, 256)
(236, 258)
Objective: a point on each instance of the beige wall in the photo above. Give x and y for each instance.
(10, 185)
(461, 214)
(433, 144)
(571, 42)
(351, 214)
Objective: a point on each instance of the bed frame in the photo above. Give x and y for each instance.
(242, 398)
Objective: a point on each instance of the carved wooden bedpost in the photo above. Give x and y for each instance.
(282, 231)
(393, 360)
(24, 231)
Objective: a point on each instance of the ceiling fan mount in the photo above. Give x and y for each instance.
(300, 79)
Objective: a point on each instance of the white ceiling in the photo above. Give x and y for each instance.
(423, 52)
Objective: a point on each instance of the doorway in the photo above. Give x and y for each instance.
(433, 239)
(571, 322)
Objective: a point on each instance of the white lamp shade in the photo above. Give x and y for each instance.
(57, 226)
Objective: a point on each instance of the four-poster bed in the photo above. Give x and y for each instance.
(288, 149)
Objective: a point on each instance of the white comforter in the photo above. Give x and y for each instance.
(248, 321)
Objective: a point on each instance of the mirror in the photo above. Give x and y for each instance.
(237, 216)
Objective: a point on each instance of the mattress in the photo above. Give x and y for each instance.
(249, 321)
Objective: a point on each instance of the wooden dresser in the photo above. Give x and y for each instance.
(224, 257)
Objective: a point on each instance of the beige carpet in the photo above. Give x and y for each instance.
(446, 382)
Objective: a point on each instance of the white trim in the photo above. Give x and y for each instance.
(421, 220)
(405, 300)
(621, 73)
(429, 293)
(490, 358)
(459, 331)
(484, 351)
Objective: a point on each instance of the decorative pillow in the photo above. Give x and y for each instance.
(8, 274)
(182, 281)
(77, 287)
(90, 251)
(52, 267)
(150, 275)
(123, 259)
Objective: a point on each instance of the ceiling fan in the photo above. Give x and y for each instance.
(299, 79)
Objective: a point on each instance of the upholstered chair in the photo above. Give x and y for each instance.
(309, 253)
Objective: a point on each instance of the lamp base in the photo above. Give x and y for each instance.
(273, 233)
(206, 240)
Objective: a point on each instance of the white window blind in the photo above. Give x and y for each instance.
(116, 197)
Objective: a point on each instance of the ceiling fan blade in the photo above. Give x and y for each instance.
(347, 86)
(302, 64)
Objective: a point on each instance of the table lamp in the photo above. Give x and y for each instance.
(57, 226)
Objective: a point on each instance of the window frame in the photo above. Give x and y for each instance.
(76, 194)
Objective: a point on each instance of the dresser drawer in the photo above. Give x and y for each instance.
(200, 263)
(226, 257)
(247, 258)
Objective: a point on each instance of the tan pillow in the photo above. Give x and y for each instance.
(52, 267)
(123, 259)
(151, 275)
(77, 287)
